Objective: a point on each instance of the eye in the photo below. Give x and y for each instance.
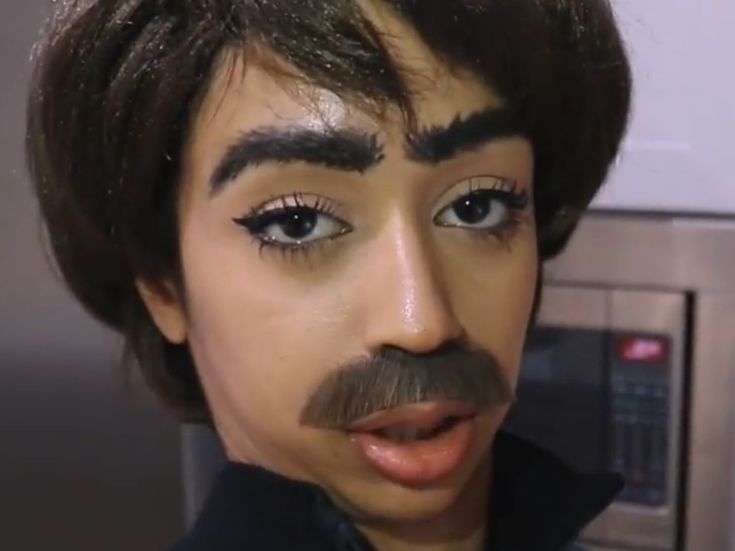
(479, 210)
(292, 224)
(297, 225)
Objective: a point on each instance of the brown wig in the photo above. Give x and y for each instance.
(117, 83)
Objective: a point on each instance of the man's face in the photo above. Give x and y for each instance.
(313, 235)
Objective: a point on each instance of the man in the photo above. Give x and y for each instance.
(319, 227)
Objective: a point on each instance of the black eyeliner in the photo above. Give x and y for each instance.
(263, 216)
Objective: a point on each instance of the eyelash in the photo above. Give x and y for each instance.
(263, 215)
(506, 231)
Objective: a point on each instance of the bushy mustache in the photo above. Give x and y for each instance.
(394, 377)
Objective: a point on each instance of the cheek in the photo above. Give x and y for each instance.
(495, 298)
(260, 342)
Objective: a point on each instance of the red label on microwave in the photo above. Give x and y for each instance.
(643, 349)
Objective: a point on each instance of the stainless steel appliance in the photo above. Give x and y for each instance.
(602, 387)
(667, 277)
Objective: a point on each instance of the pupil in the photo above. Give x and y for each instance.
(472, 209)
(299, 224)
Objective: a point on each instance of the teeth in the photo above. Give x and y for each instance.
(410, 434)
(405, 434)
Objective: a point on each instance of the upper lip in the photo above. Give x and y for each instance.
(423, 415)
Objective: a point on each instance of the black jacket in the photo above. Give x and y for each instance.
(539, 504)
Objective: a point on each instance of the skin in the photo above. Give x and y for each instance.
(265, 328)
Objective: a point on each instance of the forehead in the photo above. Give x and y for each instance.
(248, 95)
(252, 89)
(246, 92)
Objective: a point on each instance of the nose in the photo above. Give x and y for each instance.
(405, 298)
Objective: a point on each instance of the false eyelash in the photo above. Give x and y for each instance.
(263, 215)
(289, 251)
(259, 216)
(300, 200)
(507, 231)
(517, 199)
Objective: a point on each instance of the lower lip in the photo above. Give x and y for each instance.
(419, 463)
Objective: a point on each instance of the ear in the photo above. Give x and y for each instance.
(165, 308)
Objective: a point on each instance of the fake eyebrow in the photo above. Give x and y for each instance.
(441, 143)
(341, 149)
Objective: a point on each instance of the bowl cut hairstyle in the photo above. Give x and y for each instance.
(117, 83)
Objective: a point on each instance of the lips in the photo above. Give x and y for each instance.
(416, 445)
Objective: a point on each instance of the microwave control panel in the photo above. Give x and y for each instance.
(639, 414)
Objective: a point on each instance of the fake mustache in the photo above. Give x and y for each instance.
(394, 377)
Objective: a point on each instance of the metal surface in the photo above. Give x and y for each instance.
(711, 488)
(647, 312)
(656, 252)
(643, 527)
(574, 307)
(697, 256)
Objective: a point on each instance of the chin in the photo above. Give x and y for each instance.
(399, 505)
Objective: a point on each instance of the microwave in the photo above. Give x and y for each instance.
(602, 387)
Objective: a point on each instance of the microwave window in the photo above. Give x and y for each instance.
(563, 395)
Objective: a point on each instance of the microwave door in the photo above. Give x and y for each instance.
(562, 395)
(562, 387)
(600, 386)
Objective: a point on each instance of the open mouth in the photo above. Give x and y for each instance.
(415, 421)
(416, 445)
(412, 433)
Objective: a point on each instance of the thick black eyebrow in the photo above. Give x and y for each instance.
(435, 144)
(341, 149)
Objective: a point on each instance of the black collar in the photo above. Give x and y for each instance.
(538, 504)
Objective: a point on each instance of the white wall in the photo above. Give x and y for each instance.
(680, 152)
